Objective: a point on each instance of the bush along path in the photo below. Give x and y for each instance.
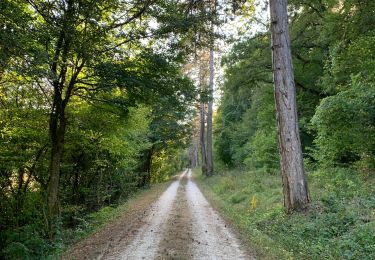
(180, 224)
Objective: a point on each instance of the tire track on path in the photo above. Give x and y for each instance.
(213, 239)
(180, 224)
(146, 241)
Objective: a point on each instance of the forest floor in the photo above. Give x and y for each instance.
(178, 224)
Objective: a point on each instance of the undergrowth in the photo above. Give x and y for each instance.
(29, 242)
(339, 223)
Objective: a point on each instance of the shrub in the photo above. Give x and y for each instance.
(345, 126)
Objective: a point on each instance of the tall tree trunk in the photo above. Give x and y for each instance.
(19, 197)
(296, 194)
(149, 166)
(196, 153)
(57, 133)
(192, 155)
(57, 121)
(210, 163)
(202, 138)
(146, 168)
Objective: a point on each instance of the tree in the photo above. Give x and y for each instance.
(202, 115)
(74, 36)
(295, 190)
(210, 162)
(79, 43)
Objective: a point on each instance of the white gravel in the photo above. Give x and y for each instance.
(213, 239)
(210, 238)
(145, 243)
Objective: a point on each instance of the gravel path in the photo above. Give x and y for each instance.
(214, 239)
(180, 224)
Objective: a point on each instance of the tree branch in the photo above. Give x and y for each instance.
(138, 14)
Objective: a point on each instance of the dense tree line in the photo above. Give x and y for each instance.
(332, 55)
(333, 63)
(93, 106)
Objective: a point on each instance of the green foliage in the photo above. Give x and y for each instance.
(168, 162)
(333, 60)
(27, 243)
(345, 126)
(338, 225)
(262, 146)
(129, 112)
(124, 96)
(334, 76)
(245, 125)
(104, 150)
(14, 18)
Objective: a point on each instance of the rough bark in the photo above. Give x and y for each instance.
(296, 194)
(210, 163)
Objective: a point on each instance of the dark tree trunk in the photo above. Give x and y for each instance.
(63, 86)
(296, 195)
(210, 163)
(19, 197)
(202, 138)
(145, 168)
(57, 134)
(57, 121)
(149, 166)
(197, 152)
(62, 92)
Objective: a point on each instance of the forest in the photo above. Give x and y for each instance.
(101, 100)
(333, 60)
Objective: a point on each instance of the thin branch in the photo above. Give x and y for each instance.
(124, 42)
(45, 17)
(72, 82)
(32, 168)
(44, 93)
(313, 8)
(132, 18)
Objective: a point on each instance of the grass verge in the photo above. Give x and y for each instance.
(339, 224)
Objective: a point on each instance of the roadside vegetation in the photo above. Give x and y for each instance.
(90, 113)
(333, 61)
(31, 245)
(339, 223)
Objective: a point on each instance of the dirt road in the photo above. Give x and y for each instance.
(180, 224)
